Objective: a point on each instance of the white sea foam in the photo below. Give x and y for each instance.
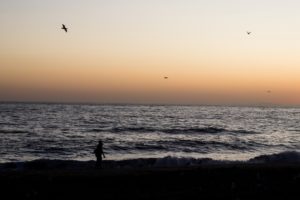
(165, 162)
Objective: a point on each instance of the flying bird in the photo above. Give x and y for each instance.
(269, 91)
(64, 28)
(248, 32)
(166, 77)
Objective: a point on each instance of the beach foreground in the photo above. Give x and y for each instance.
(226, 181)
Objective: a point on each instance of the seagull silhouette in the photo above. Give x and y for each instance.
(248, 32)
(64, 28)
(166, 77)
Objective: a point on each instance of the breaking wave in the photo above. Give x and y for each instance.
(165, 162)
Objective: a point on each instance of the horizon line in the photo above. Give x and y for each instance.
(152, 104)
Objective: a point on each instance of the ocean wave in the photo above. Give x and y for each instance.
(290, 157)
(180, 145)
(208, 130)
(284, 157)
(14, 131)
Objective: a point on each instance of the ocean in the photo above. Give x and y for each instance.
(71, 131)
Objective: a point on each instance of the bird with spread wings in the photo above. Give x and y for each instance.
(64, 28)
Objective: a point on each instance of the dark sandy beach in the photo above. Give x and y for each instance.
(227, 181)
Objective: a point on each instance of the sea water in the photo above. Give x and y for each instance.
(71, 131)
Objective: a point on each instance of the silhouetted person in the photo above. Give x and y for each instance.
(99, 153)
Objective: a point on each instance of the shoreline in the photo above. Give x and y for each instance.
(222, 181)
(280, 159)
(265, 177)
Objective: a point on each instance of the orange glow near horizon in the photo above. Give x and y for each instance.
(132, 84)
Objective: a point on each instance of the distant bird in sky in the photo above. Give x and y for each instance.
(269, 91)
(248, 32)
(166, 77)
(64, 28)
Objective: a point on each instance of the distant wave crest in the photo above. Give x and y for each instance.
(12, 131)
(209, 130)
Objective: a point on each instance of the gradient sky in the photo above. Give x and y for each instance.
(118, 51)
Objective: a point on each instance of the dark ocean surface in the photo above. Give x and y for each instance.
(71, 132)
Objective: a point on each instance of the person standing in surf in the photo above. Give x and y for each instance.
(99, 153)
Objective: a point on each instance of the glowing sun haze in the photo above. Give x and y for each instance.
(119, 51)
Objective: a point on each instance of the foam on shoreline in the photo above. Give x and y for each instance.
(291, 157)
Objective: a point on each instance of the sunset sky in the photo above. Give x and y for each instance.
(118, 51)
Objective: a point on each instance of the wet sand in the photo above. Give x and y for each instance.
(242, 181)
